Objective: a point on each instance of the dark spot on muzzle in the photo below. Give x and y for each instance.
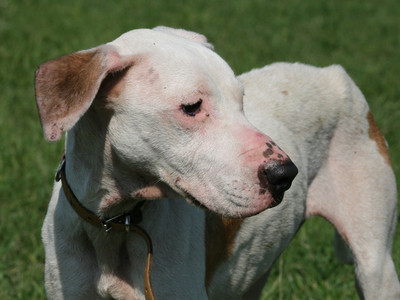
(276, 177)
(267, 153)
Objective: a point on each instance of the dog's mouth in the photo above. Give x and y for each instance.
(241, 213)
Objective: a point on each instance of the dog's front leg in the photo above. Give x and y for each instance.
(356, 192)
(70, 266)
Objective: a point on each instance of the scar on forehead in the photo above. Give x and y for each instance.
(152, 75)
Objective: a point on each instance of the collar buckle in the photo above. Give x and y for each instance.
(132, 218)
(107, 224)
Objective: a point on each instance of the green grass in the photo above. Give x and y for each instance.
(363, 36)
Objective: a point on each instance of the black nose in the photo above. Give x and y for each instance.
(277, 178)
(280, 175)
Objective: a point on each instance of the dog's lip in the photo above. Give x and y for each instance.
(248, 212)
(239, 215)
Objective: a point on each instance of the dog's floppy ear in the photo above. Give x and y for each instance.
(190, 35)
(66, 86)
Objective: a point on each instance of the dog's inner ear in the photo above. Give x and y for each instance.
(112, 85)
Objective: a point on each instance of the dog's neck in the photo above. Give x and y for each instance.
(99, 179)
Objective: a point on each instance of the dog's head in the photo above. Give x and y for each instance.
(174, 113)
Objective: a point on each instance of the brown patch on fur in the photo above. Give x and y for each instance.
(66, 86)
(220, 240)
(62, 87)
(376, 135)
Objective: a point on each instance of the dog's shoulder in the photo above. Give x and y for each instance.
(301, 95)
(298, 82)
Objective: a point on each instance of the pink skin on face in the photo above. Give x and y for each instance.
(256, 142)
(259, 152)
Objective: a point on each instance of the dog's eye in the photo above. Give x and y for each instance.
(192, 109)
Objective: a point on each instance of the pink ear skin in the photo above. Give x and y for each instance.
(66, 86)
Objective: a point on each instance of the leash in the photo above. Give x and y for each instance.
(127, 222)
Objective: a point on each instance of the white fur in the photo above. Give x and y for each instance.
(317, 116)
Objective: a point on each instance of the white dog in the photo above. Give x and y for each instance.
(157, 116)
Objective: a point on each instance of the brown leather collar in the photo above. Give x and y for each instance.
(126, 222)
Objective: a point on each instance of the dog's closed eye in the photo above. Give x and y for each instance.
(192, 109)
